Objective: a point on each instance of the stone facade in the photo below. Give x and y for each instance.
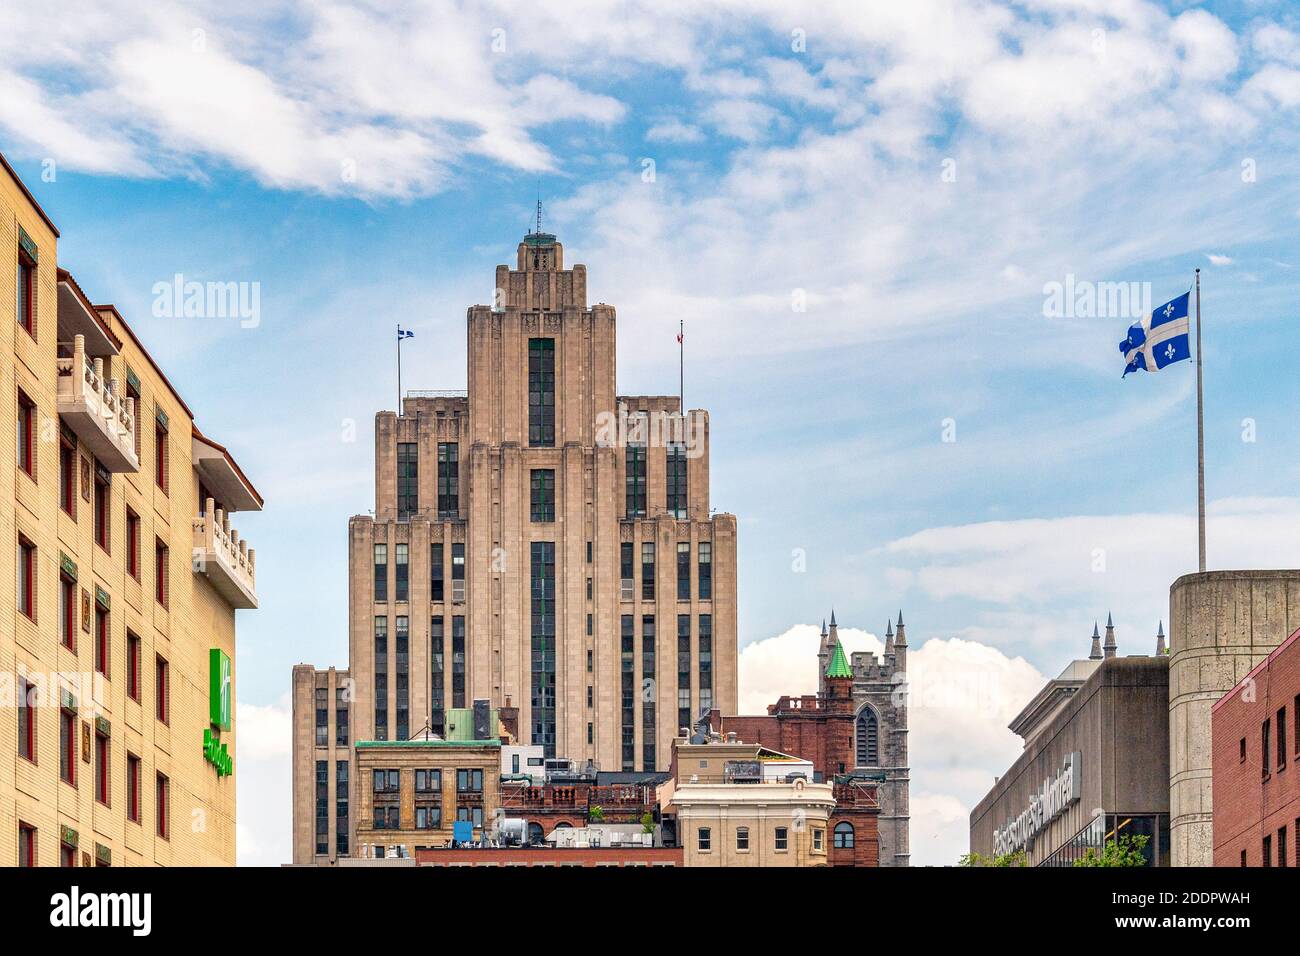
(117, 530)
(525, 549)
(1221, 625)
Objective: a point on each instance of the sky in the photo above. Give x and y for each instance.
(859, 211)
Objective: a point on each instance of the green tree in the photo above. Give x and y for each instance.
(1006, 859)
(596, 814)
(1126, 851)
(647, 823)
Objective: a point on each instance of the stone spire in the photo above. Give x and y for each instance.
(823, 656)
(900, 640)
(1110, 646)
(1161, 650)
(889, 638)
(1095, 653)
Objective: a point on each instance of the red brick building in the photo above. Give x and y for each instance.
(573, 804)
(551, 856)
(1256, 749)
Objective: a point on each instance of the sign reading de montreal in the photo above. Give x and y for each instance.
(1054, 798)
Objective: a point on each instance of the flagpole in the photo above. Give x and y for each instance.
(681, 365)
(1200, 432)
(399, 371)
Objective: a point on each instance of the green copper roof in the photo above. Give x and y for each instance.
(367, 744)
(838, 667)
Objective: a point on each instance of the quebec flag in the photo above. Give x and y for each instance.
(1160, 339)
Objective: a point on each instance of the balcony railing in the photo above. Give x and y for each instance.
(94, 408)
(223, 558)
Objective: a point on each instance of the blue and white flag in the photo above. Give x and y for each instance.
(1160, 339)
(408, 334)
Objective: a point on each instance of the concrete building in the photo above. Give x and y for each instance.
(1256, 733)
(1095, 764)
(854, 732)
(1222, 624)
(538, 541)
(117, 645)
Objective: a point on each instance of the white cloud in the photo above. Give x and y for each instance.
(263, 743)
(1218, 260)
(673, 131)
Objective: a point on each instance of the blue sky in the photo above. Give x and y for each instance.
(915, 176)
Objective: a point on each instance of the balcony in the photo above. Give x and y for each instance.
(95, 409)
(225, 559)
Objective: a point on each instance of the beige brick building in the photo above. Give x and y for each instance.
(122, 579)
(538, 541)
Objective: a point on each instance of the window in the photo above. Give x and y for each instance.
(67, 612)
(429, 781)
(458, 573)
(68, 745)
(704, 838)
(161, 456)
(742, 838)
(101, 768)
(341, 731)
(685, 718)
(437, 670)
(322, 717)
(67, 855)
(542, 636)
(706, 662)
(1242, 750)
(541, 393)
(1266, 739)
(458, 661)
(386, 781)
(782, 835)
(408, 484)
(403, 572)
(868, 738)
(677, 481)
(843, 836)
(589, 552)
(381, 572)
(1281, 846)
(402, 648)
(704, 554)
(103, 502)
(469, 781)
(26, 292)
(381, 678)
(26, 434)
(101, 640)
(542, 499)
(163, 801)
(161, 572)
(435, 572)
(683, 571)
(1243, 858)
(133, 788)
(133, 664)
(162, 691)
(448, 479)
(27, 577)
(1281, 741)
(26, 720)
(628, 691)
(647, 570)
(428, 817)
(341, 806)
(322, 807)
(625, 571)
(67, 476)
(133, 393)
(26, 845)
(132, 544)
(818, 839)
(649, 737)
(635, 478)
(1268, 851)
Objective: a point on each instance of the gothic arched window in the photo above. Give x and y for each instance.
(843, 836)
(868, 738)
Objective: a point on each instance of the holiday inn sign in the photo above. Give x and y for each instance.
(219, 697)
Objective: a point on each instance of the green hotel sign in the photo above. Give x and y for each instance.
(219, 688)
(219, 700)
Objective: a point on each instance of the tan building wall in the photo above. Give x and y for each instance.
(763, 824)
(406, 757)
(196, 617)
(492, 520)
(1221, 624)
